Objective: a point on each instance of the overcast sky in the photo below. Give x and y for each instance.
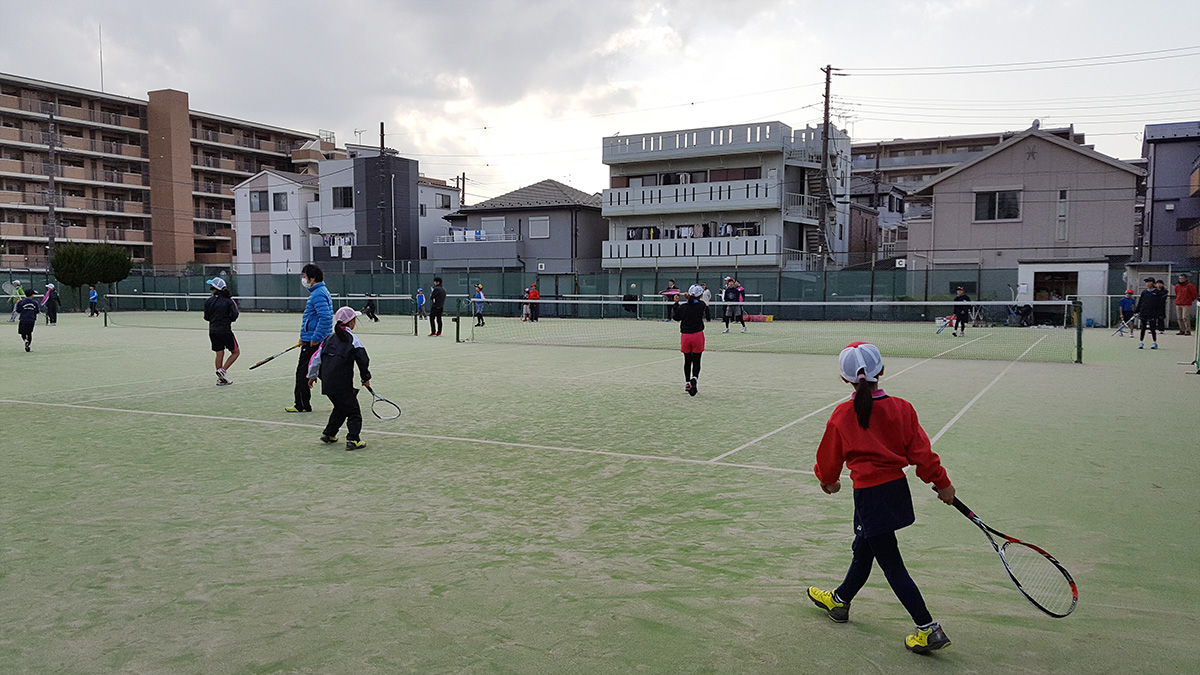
(512, 92)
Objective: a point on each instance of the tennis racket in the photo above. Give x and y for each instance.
(1040, 578)
(8, 288)
(945, 322)
(271, 358)
(383, 408)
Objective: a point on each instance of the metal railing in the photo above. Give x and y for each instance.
(471, 236)
(801, 207)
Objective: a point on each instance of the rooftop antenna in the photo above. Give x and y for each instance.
(358, 136)
(100, 31)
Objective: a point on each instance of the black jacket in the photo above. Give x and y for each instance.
(220, 312)
(334, 364)
(53, 302)
(963, 311)
(690, 316)
(27, 309)
(1152, 304)
(438, 297)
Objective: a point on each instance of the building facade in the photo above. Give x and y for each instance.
(744, 195)
(152, 175)
(546, 228)
(889, 201)
(1171, 226)
(271, 222)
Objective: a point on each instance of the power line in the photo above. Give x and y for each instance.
(1025, 66)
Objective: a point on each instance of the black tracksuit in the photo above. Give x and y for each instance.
(334, 364)
(1152, 307)
(53, 302)
(27, 311)
(438, 299)
(961, 314)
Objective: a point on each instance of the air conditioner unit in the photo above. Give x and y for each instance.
(901, 262)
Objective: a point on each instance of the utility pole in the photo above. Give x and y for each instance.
(462, 191)
(51, 197)
(827, 221)
(382, 202)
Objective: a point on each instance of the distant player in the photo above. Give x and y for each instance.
(27, 310)
(690, 315)
(369, 309)
(1148, 313)
(438, 300)
(220, 311)
(93, 298)
(734, 295)
(420, 303)
(51, 302)
(876, 436)
(1127, 304)
(535, 308)
(334, 363)
(525, 306)
(962, 313)
(479, 300)
(15, 297)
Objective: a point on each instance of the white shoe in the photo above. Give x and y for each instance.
(743, 329)
(725, 331)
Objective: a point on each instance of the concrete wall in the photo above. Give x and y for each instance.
(1170, 168)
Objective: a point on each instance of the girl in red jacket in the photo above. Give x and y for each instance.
(876, 436)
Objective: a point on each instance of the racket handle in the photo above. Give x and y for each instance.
(962, 508)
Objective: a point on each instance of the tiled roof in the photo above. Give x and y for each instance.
(543, 194)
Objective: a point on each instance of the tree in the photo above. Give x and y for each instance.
(110, 263)
(78, 265)
(70, 264)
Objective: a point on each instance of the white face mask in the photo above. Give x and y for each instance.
(305, 282)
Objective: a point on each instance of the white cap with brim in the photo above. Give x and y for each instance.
(217, 283)
(860, 358)
(50, 286)
(696, 290)
(346, 315)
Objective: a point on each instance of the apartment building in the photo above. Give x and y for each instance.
(152, 175)
(1171, 226)
(747, 195)
(436, 200)
(271, 223)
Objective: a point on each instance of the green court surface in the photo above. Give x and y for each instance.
(548, 509)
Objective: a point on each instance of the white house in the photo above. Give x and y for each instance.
(271, 222)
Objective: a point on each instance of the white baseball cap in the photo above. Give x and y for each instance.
(217, 283)
(49, 285)
(860, 359)
(696, 290)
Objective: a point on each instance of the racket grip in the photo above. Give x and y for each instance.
(962, 508)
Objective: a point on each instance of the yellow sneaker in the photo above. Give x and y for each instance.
(355, 445)
(927, 639)
(838, 611)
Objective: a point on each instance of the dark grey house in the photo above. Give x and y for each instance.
(1171, 225)
(546, 228)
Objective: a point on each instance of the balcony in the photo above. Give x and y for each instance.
(691, 198)
(763, 137)
(19, 261)
(73, 113)
(802, 208)
(471, 236)
(37, 231)
(212, 230)
(223, 215)
(242, 141)
(702, 252)
(40, 170)
(219, 164)
(68, 202)
(211, 188)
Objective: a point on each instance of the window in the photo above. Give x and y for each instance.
(260, 244)
(441, 201)
(998, 205)
(539, 227)
(422, 210)
(287, 242)
(279, 201)
(343, 197)
(258, 201)
(1060, 222)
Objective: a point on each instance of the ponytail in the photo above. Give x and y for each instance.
(864, 399)
(339, 329)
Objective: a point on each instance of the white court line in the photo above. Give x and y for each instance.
(481, 441)
(636, 365)
(843, 398)
(985, 390)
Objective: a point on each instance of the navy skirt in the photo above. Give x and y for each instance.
(882, 508)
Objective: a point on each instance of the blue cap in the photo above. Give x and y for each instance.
(217, 283)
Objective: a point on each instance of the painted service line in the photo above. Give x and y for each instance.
(843, 398)
(985, 390)
(428, 437)
(636, 365)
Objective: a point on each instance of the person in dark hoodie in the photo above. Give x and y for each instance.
(690, 315)
(1149, 310)
(220, 311)
(334, 363)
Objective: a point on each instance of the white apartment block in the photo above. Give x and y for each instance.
(745, 195)
(271, 222)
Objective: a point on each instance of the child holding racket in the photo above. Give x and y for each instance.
(877, 436)
(334, 363)
(690, 316)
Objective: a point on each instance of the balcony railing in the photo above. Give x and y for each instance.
(802, 207)
(67, 142)
(72, 112)
(39, 231)
(762, 249)
(802, 261)
(73, 172)
(75, 203)
(209, 187)
(212, 230)
(214, 214)
(693, 197)
(471, 236)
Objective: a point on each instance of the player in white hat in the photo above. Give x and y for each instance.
(690, 315)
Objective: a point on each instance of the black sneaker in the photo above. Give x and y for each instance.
(694, 387)
(328, 440)
(355, 445)
(927, 639)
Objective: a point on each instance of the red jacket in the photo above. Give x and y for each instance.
(878, 454)
(1185, 293)
(534, 295)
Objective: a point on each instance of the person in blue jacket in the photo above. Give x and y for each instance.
(93, 298)
(315, 326)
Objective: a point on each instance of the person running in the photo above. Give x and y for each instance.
(420, 303)
(734, 295)
(93, 299)
(876, 436)
(690, 315)
(220, 311)
(962, 313)
(27, 310)
(438, 299)
(706, 297)
(17, 295)
(315, 326)
(534, 306)
(1185, 297)
(1126, 304)
(479, 300)
(369, 309)
(51, 302)
(1147, 310)
(334, 363)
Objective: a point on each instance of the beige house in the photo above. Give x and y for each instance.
(1035, 197)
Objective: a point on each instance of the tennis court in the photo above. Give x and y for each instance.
(544, 508)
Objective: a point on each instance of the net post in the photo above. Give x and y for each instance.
(1077, 311)
(458, 320)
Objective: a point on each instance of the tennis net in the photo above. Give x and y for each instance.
(257, 313)
(1036, 331)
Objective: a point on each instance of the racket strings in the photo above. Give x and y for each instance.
(1039, 578)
